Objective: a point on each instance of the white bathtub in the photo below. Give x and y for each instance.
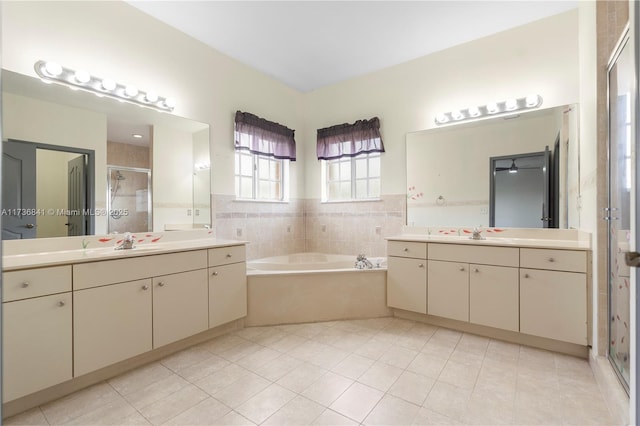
(308, 287)
(309, 262)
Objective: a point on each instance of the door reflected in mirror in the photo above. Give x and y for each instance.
(54, 115)
(449, 168)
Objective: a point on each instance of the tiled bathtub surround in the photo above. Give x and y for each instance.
(309, 225)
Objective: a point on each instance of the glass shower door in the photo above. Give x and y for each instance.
(618, 213)
(129, 199)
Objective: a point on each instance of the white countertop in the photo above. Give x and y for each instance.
(65, 257)
(497, 241)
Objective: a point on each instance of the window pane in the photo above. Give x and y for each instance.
(374, 167)
(361, 189)
(264, 189)
(345, 190)
(345, 170)
(246, 165)
(263, 168)
(334, 188)
(333, 170)
(274, 169)
(374, 188)
(361, 168)
(246, 187)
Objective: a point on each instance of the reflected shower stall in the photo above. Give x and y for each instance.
(129, 199)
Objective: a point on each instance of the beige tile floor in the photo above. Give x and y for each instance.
(384, 371)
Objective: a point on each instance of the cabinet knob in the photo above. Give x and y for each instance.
(405, 249)
(161, 284)
(25, 284)
(61, 303)
(526, 275)
(214, 273)
(421, 265)
(476, 270)
(145, 287)
(462, 269)
(228, 255)
(551, 259)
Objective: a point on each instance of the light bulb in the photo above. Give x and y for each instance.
(492, 107)
(53, 68)
(511, 104)
(441, 118)
(82, 76)
(532, 100)
(151, 97)
(457, 115)
(131, 91)
(170, 102)
(474, 111)
(108, 84)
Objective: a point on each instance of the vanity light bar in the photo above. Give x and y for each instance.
(81, 79)
(490, 109)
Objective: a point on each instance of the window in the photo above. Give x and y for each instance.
(350, 155)
(259, 177)
(263, 151)
(352, 178)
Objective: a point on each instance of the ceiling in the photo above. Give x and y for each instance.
(311, 44)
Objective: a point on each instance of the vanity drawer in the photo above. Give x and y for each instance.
(412, 249)
(483, 255)
(94, 274)
(28, 283)
(226, 255)
(555, 260)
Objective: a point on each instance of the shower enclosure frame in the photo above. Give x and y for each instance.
(113, 168)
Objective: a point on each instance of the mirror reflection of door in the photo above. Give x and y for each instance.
(521, 193)
(46, 191)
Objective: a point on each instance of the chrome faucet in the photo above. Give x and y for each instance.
(127, 242)
(477, 234)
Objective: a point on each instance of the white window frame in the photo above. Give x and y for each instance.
(282, 183)
(352, 179)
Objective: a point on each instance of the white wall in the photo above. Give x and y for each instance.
(407, 97)
(32, 120)
(114, 39)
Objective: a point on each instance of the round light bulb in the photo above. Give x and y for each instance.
(474, 111)
(53, 68)
(82, 76)
(108, 84)
(151, 97)
(492, 107)
(170, 103)
(457, 115)
(131, 91)
(441, 118)
(532, 100)
(511, 104)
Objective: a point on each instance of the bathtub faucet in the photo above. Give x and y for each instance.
(363, 263)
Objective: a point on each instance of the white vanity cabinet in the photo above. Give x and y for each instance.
(180, 306)
(36, 330)
(553, 294)
(407, 276)
(126, 307)
(478, 284)
(227, 284)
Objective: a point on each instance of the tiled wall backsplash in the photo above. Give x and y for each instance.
(274, 229)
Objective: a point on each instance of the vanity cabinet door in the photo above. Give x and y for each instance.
(36, 344)
(493, 296)
(553, 304)
(407, 284)
(448, 290)
(180, 306)
(110, 324)
(227, 293)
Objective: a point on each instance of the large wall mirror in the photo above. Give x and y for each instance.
(455, 174)
(142, 170)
